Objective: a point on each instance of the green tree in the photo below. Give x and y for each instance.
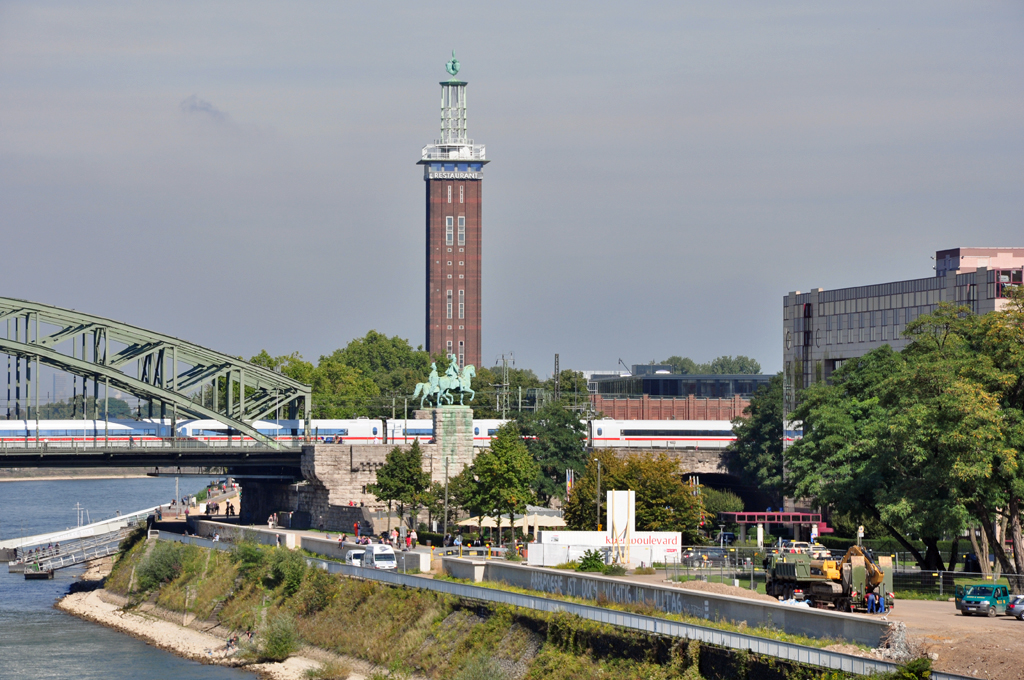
(401, 479)
(504, 475)
(757, 451)
(909, 439)
(717, 500)
(557, 440)
(664, 500)
(723, 365)
(391, 363)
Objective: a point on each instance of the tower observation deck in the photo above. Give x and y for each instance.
(453, 174)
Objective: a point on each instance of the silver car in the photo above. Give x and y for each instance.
(1016, 607)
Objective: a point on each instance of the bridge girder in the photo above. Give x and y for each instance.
(168, 369)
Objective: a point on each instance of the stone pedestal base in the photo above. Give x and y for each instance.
(453, 437)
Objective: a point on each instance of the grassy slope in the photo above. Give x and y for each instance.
(408, 629)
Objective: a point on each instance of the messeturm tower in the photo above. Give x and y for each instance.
(453, 173)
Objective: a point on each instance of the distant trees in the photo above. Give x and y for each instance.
(63, 410)
(723, 365)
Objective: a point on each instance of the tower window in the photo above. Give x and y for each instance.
(448, 230)
(450, 303)
(449, 347)
(462, 304)
(462, 353)
(462, 231)
(462, 190)
(449, 193)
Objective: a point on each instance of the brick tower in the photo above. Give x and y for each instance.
(453, 174)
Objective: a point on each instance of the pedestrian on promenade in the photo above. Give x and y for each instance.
(355, 529)
(408, 541)
(278, 537)
(413, 537)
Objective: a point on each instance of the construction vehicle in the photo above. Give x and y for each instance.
(843, 585)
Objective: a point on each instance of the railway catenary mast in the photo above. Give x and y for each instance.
(453, 174)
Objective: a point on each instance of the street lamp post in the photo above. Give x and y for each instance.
(445, 528)
(598, 493)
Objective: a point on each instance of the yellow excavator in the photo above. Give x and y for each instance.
(842, 584)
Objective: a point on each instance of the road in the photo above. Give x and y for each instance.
(969, 645)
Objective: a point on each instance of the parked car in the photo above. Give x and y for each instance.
(725, 537)
(820, 552)
(982, 599)
(705, 557)
(1016, 607)
(354, 558)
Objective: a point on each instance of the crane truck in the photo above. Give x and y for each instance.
(842, 585)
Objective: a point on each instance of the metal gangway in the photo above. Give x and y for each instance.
(77, 551)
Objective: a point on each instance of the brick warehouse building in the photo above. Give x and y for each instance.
(453, 174)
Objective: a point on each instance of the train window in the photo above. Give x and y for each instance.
(600, 432)
(374, 431)
(476, 430)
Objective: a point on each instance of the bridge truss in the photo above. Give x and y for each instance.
(179, 379)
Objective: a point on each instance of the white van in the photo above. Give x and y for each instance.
(354, 558)
(378, 556)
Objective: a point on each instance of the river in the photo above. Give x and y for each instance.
(38, 641)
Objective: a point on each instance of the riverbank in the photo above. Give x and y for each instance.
(64, 476)
(160, 628)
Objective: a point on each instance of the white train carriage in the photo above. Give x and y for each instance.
(357, 431)
(57, 432)
(670, 434)
(485, 430)
(401, 431)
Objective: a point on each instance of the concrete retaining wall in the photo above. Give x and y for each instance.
(460, 567)
(235, 533)
(815, 623)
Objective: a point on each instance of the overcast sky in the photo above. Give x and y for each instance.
(242, 175)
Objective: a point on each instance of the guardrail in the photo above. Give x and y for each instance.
(648, 624)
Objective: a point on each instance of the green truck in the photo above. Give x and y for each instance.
(983, 599)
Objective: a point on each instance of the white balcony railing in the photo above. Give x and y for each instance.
(454, 152)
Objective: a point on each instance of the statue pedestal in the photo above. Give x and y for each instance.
(453, 436)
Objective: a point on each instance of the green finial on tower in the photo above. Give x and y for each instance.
(453, 66)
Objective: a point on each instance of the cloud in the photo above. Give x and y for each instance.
(194, 106)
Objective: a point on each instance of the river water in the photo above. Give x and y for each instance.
(38, 641)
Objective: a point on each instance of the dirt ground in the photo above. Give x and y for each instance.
(723, 589)
(967, 645)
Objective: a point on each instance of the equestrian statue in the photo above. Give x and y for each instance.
(443, 388)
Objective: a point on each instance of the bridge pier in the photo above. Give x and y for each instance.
(262, 498)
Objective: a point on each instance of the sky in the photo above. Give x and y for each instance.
(243, 174)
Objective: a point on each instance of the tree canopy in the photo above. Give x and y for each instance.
(925, 441)
(556, 439)
(401, 479)
(664, 500)
(723, 365)
(502, 476)
(757, 451)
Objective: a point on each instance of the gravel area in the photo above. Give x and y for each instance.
(723, 589)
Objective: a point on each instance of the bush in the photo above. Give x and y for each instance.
(131, 540)
(331, 670)
(250, 559)
(644, 571)
(286, 567)
(591, 561)
(162, 566)
(279, 639)
(614, 570)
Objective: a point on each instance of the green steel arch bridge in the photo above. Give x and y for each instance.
(178, 380)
